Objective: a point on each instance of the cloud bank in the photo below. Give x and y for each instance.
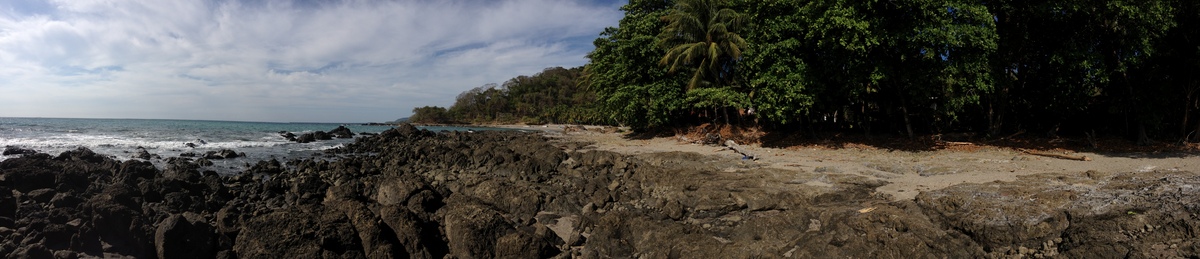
(330, 61)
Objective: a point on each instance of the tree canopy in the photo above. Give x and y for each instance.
(878, 67)
(553, 96)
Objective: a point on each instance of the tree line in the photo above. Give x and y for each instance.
(1126, 68)
(556, 95)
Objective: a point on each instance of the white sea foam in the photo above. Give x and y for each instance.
(120, 138)
(101, 141)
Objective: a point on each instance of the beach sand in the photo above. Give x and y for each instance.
(906, 173)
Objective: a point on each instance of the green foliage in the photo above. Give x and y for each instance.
(895, 67)
(430, 115)
(703, 34)
(553, 96)
(631, 87)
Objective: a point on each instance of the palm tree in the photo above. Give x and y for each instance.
(702, 33)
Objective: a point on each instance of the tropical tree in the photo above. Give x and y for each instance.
(430, 115)
(630, 86)
(702, 33)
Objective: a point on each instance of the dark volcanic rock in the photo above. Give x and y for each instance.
(321, 135)
(185, 236)
(298, 234)
(146, 155)
(11, 150)
(288, 135)
(342, 132)
(411, 193)
(313, 136)
(223, 154)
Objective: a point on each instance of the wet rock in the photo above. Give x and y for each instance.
(321, 135)
(204, 162)
(223, 154)
(146, 155)
(313, 136)
(13, 150)
(342, 132)
(81, 154)
(288, 135)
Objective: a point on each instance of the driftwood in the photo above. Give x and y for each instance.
(1019, 132)
(1056, 155)
(730, 144)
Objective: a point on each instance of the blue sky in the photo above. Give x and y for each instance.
(264, 60)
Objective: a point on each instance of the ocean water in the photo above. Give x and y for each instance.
(121, 138)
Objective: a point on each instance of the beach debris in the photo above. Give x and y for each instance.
(1055, 155)
(731, 145)
(865, 210)
(711, 139)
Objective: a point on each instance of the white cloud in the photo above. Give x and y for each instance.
(277, 60)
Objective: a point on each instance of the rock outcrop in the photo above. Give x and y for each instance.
(223, 154)
(419, 194)
(342, 132)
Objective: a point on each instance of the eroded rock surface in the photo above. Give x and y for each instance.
(418, 194)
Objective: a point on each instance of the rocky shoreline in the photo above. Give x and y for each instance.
(419, 194)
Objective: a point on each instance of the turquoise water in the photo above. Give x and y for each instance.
(120, 138)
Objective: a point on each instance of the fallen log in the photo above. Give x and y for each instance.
(730, 144)
(1056, 155)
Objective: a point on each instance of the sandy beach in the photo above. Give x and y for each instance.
(907, 173)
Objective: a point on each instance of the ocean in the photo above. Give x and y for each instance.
(121, 138)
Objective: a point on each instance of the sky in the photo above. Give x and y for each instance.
(278, 60)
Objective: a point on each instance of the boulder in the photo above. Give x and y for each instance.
(80, 154)
(342, 132)
(185, 235)
(13, 150)
(223, 154)
(288, 135)
(321, 135)
(146, 155)
(40, 195)
(307, 233)
(8, 203)
(306, 137)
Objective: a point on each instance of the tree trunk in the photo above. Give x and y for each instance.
(726, 111)
(1197, 132)
(1189, 100)
(907, 122)
(865, 119)
(1143, 139)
